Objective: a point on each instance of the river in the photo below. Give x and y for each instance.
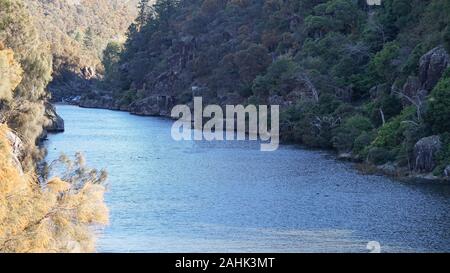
(168, 196)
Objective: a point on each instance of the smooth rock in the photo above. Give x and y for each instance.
(425, 152)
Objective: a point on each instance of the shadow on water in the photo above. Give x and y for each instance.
(168, 196)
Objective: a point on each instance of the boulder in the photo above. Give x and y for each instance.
(389, 169)
(345, 156)
(425, 152)
(431, 67)
(88, 72)
(55, 122)
(413, 90)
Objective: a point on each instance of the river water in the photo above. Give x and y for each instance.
(168, 196)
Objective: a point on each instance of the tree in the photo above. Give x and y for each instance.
(446, 38)
(349, 131)
(89, 38)
(141, 19)
(10, 73)
(56, 218)
(111, 57)
(438, 112)
(384, 62)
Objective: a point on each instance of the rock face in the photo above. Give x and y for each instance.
(98, 101)
(56, 123)
(88, 72)
(425, 152)
(431, 67)
(18, 150)
(413, 90)
(152, 106)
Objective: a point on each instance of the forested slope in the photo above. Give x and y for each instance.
(39, 211)
(77, 32)
(371, 82)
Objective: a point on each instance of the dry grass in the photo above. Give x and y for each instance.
(55, 217)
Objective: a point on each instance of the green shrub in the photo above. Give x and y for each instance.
(399, 135)
(279, 79)
(446, 38)
(379, 156)
(438, 113)
(349, 130)
(383, 62)
(362, 142)
(391, 107)
(443, 157)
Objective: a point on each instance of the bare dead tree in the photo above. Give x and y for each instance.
(416, 101)
(382, 116)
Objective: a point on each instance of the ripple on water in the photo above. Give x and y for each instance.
(168, 196)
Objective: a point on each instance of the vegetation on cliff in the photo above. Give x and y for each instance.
(356, 78)
(53, 217)
(77, 32)
(49, 213)
(22, 107)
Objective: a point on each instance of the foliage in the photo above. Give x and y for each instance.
(282, 51)
(439, 106)
(346, 134)
(111, 56)
(55, 218)
(25, 112)
(10, 73)
(278, 80)
(443, 157)
(384, 62)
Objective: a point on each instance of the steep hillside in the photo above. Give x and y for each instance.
(54, 218)
(27, 62)
(77, 32)
(360, 79)
(52, 213)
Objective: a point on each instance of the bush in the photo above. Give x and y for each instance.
(391, 107)
(349, 130)
(279, 79)
(383, 62)
(54, 218)
(389, 135)
(362, 142)
(446, 38)
(438, 113)
(443, 157)
(379, 156)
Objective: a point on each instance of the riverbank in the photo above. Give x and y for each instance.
(201, 196)
(389, 169)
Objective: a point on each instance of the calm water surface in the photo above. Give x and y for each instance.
(168, 196)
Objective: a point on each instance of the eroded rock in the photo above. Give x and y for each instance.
(431, 67)
(425, 152)
(55, 122)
